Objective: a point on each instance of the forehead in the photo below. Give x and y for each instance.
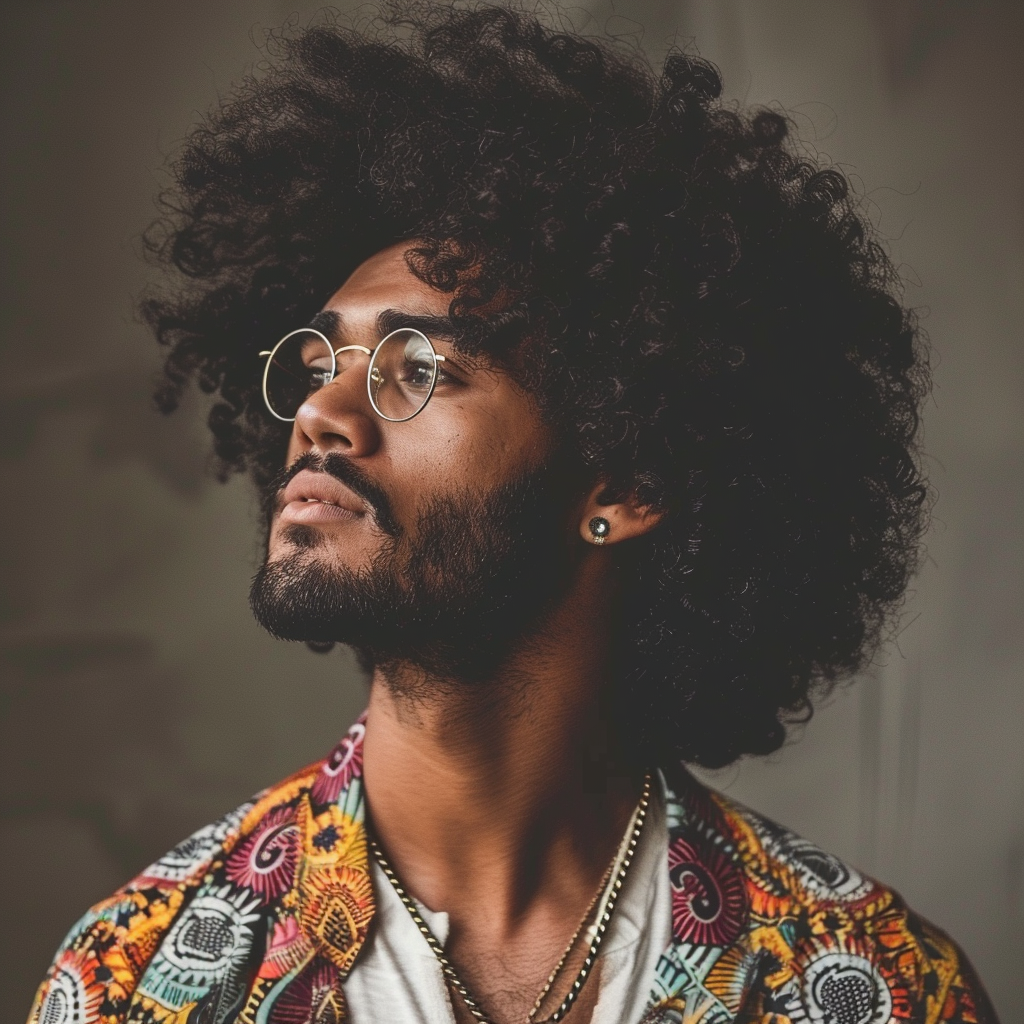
(385, 281)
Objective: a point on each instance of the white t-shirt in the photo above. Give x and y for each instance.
(398, 979)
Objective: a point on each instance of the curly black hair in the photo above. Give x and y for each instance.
(707, 317)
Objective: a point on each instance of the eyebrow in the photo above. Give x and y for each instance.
(331, 323)
(328, 323)
(431, 325)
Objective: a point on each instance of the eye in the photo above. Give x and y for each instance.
(417, 367)
(318, 365)
(417, 375)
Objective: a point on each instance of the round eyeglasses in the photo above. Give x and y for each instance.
(400, 377)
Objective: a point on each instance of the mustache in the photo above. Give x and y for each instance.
(345, 470)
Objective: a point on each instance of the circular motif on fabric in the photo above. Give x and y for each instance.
(265, 860)
(195, 852)
(207, 935)
(345, 761)
(208, 945)
(824, 875)
(821, 874)
(842, 988)
(74, 995)
(709, 898)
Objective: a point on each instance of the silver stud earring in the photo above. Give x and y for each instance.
(599, 529)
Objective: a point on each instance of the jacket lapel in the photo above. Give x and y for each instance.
(709, 906)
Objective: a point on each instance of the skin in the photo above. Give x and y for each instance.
(501, 804)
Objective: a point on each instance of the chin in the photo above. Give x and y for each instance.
(291, 537)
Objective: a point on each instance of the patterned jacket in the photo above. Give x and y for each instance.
(259, 918)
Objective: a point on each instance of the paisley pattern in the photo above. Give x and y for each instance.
(265, 860)
(709, 899)
(343, 764)
(260, 917)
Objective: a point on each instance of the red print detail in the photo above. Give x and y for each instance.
(345, 762)
(709, 898)
(265, 860)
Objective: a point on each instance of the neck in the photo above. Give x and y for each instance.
(514, 787)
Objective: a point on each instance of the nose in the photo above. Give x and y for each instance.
(339, 417)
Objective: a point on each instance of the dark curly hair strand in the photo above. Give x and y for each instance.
(704, 315)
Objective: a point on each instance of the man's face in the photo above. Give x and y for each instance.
(413, 539)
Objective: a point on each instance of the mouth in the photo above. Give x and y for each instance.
(312, 497)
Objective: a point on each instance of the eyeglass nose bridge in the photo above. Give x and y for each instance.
(344, 348)
(338, 368)
(352, 348)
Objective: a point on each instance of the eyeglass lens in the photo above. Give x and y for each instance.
(301, 363)
(403, 372)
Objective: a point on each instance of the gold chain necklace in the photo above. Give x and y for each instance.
(619, 868)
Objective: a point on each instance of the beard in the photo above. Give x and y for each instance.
(474, 580)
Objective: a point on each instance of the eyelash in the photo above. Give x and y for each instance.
(445, 376)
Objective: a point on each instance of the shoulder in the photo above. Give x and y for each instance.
(797, 933)
(97, 968)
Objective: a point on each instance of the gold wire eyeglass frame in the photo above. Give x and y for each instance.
(371, 368)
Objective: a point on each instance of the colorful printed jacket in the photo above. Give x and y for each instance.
(259, 918)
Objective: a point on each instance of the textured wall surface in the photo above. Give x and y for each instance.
(137, 698)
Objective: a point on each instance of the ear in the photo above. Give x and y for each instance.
(610, 522)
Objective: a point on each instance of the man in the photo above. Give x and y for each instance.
(586, 412)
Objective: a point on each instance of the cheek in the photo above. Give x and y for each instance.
(416, 466)
(479, 452)
(517, 440)
(452, 456)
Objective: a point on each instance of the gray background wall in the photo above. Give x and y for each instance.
(139, 701)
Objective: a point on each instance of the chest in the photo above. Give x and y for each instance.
(398, 970)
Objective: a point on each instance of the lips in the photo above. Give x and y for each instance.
(318, 497)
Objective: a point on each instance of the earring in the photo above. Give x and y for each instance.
(599, 529)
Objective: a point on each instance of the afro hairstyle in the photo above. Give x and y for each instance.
(702, 310)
